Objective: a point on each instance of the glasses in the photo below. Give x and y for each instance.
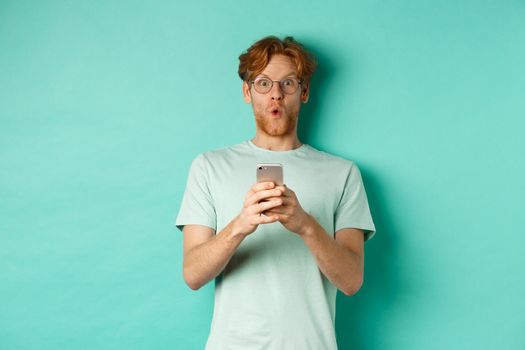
(288, 85)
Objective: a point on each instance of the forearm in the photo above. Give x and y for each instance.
(207, 260)
(342, 267)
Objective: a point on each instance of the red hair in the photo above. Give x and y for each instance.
(256, 58)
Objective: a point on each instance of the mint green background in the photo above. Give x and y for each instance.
(103, 105)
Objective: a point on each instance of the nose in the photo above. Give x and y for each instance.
(276, 92)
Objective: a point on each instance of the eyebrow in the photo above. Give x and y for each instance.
(286, 76)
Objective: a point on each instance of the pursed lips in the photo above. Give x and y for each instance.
(276, 110)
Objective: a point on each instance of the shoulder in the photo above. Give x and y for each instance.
(334, 162)
(219, 154)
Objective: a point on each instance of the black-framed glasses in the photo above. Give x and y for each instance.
(289, 85)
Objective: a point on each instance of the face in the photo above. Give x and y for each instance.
(276, 112)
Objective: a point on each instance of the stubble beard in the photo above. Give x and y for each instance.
(283, 126)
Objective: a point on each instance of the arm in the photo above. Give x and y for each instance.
(341, 259)
(207, 254)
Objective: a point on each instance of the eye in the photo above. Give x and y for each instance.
(263, 82)
(288, 82)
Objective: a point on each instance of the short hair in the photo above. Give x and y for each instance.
(256, 58)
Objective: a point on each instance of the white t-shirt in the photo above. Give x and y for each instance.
(272, 295)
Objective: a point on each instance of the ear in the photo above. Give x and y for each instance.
(246, 92)
(305, 92)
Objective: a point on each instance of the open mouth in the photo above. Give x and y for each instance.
(275, 112)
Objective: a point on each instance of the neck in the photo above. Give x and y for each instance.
(275, 143)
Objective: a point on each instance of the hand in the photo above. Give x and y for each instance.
(250, 217)
(290, 213)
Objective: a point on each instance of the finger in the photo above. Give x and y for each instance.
(272, 198)
(278, 210)
(265, 219)
(262, 186)
(258, 187)
(275, 210)
(287, 192)
(285, 202)
(271, 213)
(258, 196)
(262, 206)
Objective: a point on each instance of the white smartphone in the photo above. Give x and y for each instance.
(267, 172)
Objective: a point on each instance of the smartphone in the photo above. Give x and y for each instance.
(267, 172)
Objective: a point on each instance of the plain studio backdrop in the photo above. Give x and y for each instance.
(104, 104)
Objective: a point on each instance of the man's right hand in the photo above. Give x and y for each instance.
(206, 253)
(261, 197)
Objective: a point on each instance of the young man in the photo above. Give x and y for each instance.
(278, 252)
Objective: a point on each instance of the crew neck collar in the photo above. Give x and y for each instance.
(292, 151)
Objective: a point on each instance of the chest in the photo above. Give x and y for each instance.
(317, 189)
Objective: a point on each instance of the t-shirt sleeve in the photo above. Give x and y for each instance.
(353, 210)
(197, 205)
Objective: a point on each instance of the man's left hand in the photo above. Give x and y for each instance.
(291, 214)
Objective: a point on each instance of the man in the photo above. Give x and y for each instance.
(278, 252)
